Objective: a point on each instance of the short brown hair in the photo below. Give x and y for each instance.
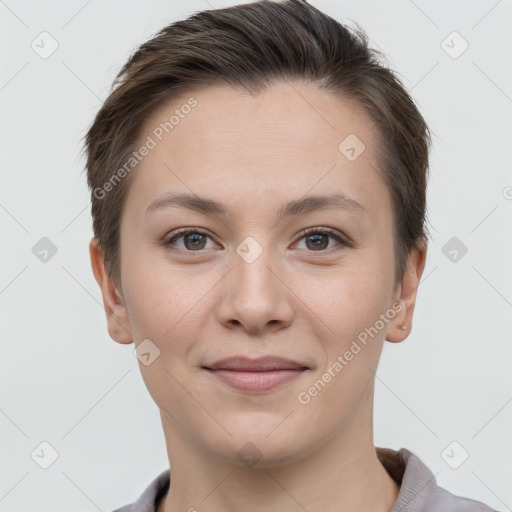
(252, 46)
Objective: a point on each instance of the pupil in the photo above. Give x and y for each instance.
(317, 240)
(196, 237)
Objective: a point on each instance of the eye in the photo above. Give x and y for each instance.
(193, 240)
(317, 239)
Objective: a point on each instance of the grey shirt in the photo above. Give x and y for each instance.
(419, 491)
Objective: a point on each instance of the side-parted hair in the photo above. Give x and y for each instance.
(253, 46)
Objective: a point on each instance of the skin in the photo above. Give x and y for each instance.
(295, 300)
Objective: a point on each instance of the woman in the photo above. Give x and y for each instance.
(258, 184)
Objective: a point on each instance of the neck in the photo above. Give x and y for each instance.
(343, 473)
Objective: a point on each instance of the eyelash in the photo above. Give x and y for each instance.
(342, 242)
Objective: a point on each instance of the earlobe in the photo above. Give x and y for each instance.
(115, 310)
(398, 328)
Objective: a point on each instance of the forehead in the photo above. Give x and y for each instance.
(288, 140)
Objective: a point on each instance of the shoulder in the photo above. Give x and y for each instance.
(148, 500)
(419, 491)
(441, 499)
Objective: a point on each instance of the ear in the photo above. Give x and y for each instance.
(406, 295)
(115, 309)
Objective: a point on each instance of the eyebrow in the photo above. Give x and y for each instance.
(339, 201)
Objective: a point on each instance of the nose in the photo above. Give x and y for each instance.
(255, 297)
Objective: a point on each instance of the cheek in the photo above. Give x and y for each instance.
(163, 303)
(166, 309)
(350, 299)
(348, 318)
(350, 305)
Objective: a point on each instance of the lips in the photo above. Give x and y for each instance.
(255, 375)
(263, 364)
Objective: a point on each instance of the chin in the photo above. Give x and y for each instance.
(259, 440)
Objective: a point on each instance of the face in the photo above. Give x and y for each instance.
(239, 263)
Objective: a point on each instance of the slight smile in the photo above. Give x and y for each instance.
(256, 375)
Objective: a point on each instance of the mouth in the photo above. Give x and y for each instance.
(255, 375)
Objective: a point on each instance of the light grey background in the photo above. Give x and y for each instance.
(64, 381)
